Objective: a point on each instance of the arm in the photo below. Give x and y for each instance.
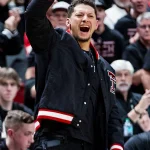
(140, 108)
(39, 30)
(10, 42)
(115, 129)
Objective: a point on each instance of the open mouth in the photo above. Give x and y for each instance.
(84, 29)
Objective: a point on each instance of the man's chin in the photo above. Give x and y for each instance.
(123, 88)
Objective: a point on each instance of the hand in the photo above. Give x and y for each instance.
(144, 102)
(33, 92)
(12, 22)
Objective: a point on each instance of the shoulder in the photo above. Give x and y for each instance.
(132, 47)
(106, 65)
(124, 19)
(22, 107)
(136, 96)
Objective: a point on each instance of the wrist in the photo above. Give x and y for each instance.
(9, 34)
(138, 111)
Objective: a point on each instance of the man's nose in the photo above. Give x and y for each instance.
(123, 77)
(85, 18)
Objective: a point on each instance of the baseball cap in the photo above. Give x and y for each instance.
(60, 5)
(100, 3)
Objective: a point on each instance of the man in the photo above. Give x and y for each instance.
(20, 130)
(72, 110)
(57, 14)
(119, 9)
(131, 105)
(138, 54)
(9, 86)
(127, 25)
(109, 43)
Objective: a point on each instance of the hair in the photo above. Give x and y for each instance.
(145, 15)
(9, 74)
(77, 2)
(16, 118)
(119, 65)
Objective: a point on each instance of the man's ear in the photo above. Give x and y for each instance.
(68, 23)
(10, 132)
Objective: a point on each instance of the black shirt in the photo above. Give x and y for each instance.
(3, 145)
(139, 56)
(138, 142)
(110, 44)
(16, 106)
(127, 27)
(126, 106)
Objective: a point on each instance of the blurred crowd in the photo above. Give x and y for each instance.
(122, 38)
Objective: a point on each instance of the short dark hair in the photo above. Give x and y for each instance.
(77, 2)
(16, 118)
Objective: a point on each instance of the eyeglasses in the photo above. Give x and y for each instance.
(145, 26)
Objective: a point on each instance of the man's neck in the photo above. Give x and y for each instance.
(6, 105)
(134, 13)
(85, 45)
(125, 95)
(10, 145)
(145, 43)
(100, 29)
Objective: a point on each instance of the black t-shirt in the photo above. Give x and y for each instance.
(110, 44)
(127, 27)
(16, 106)
(138, 142)
(139, 56)
(126, 106)
(3, 145)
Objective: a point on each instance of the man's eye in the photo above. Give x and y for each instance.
(79, 15)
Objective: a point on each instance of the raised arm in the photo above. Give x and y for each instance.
(39, 30)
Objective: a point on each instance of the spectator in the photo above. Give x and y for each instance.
(58, 14)
(119, 9)
(109, 43)
(19, 129)
(131, 105)
(127, 25)
(10, 43)
(9, 86)
(67, 102)
(139, 53)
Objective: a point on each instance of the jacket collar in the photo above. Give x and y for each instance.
(91, 47)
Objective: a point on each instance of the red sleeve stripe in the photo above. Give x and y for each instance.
(116, 147)
(55, 115)
(37, 125)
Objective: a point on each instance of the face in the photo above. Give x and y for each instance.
(82, 22)
(145, 122)
(144, 30)
(123, 80)
(139, 6)
(8, 90)
(100, 15)
(61, 17)
(23, 137)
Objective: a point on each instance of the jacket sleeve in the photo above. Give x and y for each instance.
(39, 30)
(10, 46)
(115, 129)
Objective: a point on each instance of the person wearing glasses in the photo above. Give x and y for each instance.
(139, 53)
